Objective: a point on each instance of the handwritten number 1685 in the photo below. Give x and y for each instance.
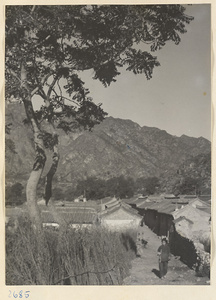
(20, 294)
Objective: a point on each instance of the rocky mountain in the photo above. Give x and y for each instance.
(115, 147)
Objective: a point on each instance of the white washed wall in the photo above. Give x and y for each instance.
(119, 225)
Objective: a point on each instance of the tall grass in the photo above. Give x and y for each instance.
(80, 256)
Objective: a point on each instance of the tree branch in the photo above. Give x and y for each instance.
(59, 87)
(51, 87)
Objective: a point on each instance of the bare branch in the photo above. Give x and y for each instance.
(59, 87)
(51, 87)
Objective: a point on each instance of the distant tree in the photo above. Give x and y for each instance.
(111, 187)
(58, 194)
(120, 187)
(125, 187)
(69, 193)
(95, 188)
(147, 185)
(46, 48)
(92, 187)
(188, 186)
(151, 184)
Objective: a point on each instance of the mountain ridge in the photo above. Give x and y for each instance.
(113, 148)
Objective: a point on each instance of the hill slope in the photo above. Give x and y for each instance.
(115, 147)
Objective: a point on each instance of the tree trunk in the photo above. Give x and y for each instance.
(52, 170)
(31, 192)
(40, 156)
(39, 163)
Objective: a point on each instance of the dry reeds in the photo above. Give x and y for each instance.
(83, 256)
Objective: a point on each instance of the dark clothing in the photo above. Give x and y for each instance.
(163, 266)
(164, 253)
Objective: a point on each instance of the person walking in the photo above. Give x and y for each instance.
(164, 255)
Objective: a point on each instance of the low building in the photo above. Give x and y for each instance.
(200, 204)
(74, 217)
(199, 218)
(109, 203)
(120, 218)
(190, 234)
(183, 225)
(158, 215)
(74, 214)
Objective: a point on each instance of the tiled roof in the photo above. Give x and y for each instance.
(125, 208)
(189, 196)
(112, 204)
(169, 209)
(165, 206)
(75, 204)
(168, 206)
(170, 196)
(182, 218)
(202, 203)
(140, 201)
(129, 209)
(71, 216)
(205, 209)
(155, 197)
(146, 205)
(108, 200)
(188, 209)
(204, 197)
(180, 201)
(156, 205)
(75, 209)
(130, 200)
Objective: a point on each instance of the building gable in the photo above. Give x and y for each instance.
(121, 214)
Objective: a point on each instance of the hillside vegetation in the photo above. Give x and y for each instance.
(114, 148)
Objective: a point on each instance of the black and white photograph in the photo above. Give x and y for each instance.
(107, 145)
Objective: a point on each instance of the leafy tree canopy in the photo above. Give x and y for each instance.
(46, 49)
(91, 188)
(52, 43)
(188, 186)
(147, 185)
(95, 188)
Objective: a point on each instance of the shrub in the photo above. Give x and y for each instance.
(79, 256)
(203, 264)
(205, 239)
(128, 239)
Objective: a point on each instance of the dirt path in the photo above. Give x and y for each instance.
(144, 269)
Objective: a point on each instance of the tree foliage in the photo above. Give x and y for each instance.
(121, 187)
(91, 187)
(188, 186)
(48, 47)
(147, 185)
(56, 42)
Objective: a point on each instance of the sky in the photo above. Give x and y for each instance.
(178, 97)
